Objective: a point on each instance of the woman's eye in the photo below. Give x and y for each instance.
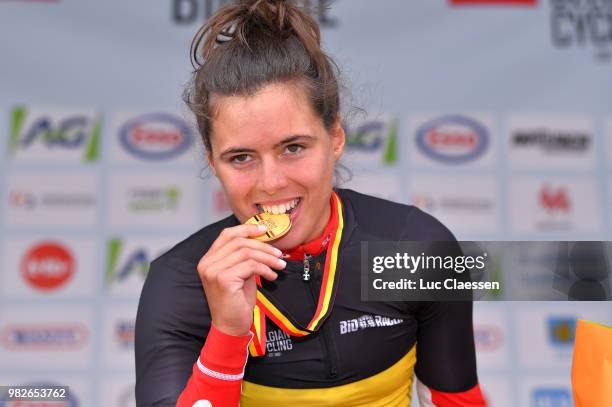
(294, 148)
(241, 158)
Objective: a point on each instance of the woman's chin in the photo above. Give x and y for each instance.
(289, 241)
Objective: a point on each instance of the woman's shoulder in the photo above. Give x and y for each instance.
(393, 220)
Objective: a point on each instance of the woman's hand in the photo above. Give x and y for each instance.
(228, 273)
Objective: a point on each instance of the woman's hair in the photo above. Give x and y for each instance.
(253, 43)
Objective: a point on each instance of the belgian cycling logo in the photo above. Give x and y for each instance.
(39, 336)
(373, 141)
(452, 139)
(277, 341)
(561, 331)
(198, 11)
(494, 2)
(582, 24)
(46, 135)
(156, 136)
(551, 396)
(47, 266)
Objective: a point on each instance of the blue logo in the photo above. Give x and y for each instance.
(156, 136)
(561, 330)
(551, 397)
(452, 139)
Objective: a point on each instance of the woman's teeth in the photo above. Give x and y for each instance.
(286, 207)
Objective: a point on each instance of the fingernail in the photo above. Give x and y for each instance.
(277, 252)
(285, 256)
(282, 263)
(261, 228)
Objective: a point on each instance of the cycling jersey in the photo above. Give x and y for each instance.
(365, 353)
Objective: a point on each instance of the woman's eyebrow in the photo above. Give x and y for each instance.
(244, 150)
(293, 139)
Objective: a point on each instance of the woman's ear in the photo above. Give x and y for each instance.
(338, 138)
(211, 162)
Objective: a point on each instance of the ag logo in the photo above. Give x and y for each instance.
(374, 138)
(128, 262)
(44, 135)
(47, 266)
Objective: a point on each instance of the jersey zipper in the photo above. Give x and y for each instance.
(332, 357)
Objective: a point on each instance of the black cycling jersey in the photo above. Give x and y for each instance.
(358, 341)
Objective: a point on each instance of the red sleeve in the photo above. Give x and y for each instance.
(217, 374)
(429, 397)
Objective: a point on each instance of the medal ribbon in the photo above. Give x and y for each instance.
(265, 308)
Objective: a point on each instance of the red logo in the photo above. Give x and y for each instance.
(530, 3)
(47, 266)
(555, 200)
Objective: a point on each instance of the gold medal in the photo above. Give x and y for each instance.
(278, 225)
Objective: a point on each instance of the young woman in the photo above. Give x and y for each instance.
(266, 100)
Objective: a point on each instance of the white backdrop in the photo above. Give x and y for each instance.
(497, 119)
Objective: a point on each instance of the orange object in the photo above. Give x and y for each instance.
(592, 365)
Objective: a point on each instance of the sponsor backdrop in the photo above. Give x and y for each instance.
(494, 116)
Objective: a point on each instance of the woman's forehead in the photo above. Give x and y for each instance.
(275, 112)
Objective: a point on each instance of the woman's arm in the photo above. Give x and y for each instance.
(217, 375)
(171, 324)
(446, 358)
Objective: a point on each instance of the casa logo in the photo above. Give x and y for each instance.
(153, 199)
(551, 397)
(452, 139)
(121, 266)
(561, 331)
(156, 136)
(583, 24)
(366, 322)
(42, 135)
(373, 137)
(277, 341)
(552, 141)
(48, 266)
(70, 399)
(554, 200)
(488, 337)
(124, 334)
(44, 336)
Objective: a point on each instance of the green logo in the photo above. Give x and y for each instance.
(56, 132)
(136, 263)
(375, 137)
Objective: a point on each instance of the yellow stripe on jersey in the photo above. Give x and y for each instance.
(391, 388)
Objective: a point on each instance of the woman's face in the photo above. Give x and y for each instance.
(271, 152)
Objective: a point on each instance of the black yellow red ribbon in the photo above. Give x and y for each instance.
(265, 308)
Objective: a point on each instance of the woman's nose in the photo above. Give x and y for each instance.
(272, 176)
